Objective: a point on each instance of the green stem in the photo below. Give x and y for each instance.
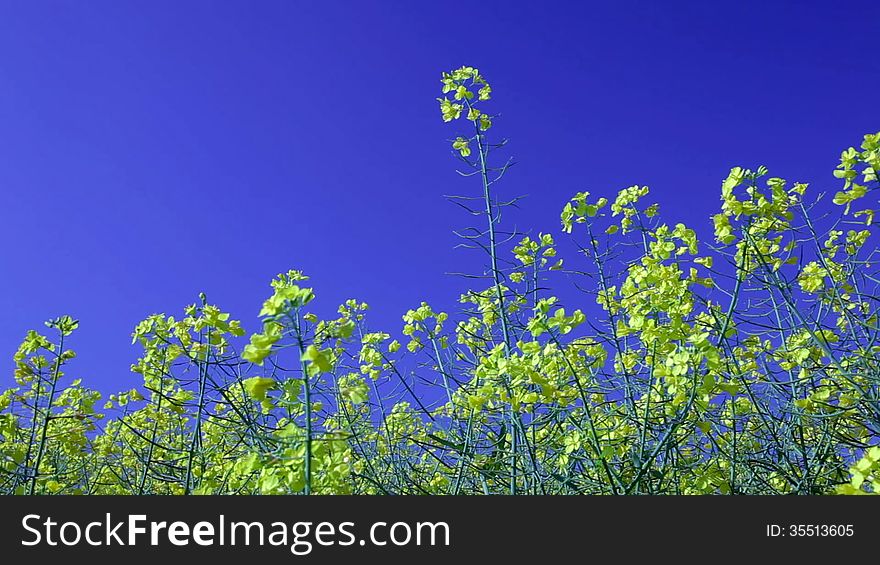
(48, 417)
(307, 399)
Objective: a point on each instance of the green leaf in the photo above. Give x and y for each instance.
(256, 387)
(319, 358)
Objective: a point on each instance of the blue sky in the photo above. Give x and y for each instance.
(153, 150)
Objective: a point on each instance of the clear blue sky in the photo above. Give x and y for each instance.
(152, 150)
